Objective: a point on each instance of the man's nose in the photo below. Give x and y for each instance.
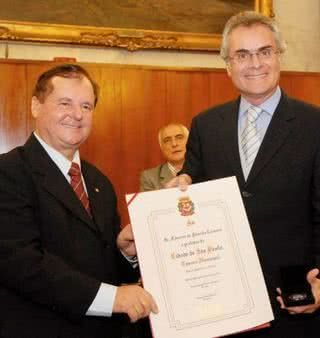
(255, 60)
(77, 112)
(174, 143)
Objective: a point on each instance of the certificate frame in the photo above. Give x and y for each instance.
(43, 31)
(198, 259)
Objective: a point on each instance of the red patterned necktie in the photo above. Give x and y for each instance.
(78, 187)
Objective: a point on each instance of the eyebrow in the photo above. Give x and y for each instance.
(70, 100)
(64, 99)
(243, 50)
(175, 135)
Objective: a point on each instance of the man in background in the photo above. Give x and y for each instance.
(271, 143)
(172, 140)
(62, 255)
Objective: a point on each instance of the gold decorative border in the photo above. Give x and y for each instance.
(130, 39)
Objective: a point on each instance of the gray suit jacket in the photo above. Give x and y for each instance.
(155, 178)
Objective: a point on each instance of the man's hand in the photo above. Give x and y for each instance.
(125, 241)
(136, 302)
(315, 288)
(182, 181)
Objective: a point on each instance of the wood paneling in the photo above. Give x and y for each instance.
(304, 86)
(134, 103)
(13, 106)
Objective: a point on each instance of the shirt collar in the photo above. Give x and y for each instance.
(172, 169)
(61, 161)
(269, 106)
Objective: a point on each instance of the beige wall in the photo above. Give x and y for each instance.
(300, 23)
(299, 20)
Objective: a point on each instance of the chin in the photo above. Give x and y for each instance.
(77, 138)
(174, 160)
(75, 142)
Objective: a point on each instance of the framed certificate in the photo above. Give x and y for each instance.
(198, 259)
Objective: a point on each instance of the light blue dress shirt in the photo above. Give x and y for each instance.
(103, 303)
(268, 108)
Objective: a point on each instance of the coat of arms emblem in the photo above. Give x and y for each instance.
(185, 206)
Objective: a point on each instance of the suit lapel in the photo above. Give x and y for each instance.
(51, 179)
(96, 205)
(276, 134)
(229, 137)
(165, 174)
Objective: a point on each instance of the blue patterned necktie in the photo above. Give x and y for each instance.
(250, 137)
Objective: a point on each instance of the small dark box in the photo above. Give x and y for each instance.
(295, 288)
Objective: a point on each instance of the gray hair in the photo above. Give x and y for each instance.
(248, 19)
(184, 129)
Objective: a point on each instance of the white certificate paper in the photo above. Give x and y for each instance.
(198, 260)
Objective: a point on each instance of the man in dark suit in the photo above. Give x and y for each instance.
(62, 255)
(275, 156)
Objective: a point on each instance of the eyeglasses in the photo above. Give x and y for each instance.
(245, 56)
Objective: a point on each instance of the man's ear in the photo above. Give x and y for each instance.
(35, 107)
(228, 69)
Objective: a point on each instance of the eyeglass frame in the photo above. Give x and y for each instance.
(250, 53)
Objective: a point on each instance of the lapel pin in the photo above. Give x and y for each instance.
(96, 189)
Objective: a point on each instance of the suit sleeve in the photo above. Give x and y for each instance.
(193, 165)
(316, 209)
(146, 183)
(26, 267)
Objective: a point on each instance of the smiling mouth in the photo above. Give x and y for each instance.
(256, 76)
(71, 126)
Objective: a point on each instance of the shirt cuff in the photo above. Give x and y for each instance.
(133, 260)
(102, 305)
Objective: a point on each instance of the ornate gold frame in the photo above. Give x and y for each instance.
(131, 39)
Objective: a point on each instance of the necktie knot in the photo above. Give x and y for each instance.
(253, 113)
(74, 170)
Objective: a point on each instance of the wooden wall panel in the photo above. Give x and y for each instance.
(305, 86)
(286, 83)
(199, 94)
(103, 143)
(134, 103)
(156, 115)
(178, 101)
(13, 106)
(33, 70)
(221, 88)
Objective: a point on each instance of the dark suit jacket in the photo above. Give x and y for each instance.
(281, 194)
(53, 256)
(155, 178)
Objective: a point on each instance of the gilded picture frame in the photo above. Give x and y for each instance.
(42, 30)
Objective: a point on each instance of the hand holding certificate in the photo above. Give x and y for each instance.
(198, 260)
